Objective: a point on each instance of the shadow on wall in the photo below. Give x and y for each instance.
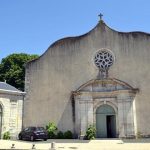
(66, 120)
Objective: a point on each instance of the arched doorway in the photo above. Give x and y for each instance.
(105, 122)
(0, 120)
(108, 104)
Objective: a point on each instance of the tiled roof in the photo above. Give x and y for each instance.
(6, 86)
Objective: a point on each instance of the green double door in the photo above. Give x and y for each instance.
(105, 122)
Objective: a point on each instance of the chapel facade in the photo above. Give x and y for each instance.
(100, 78)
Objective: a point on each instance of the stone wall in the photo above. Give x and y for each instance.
(68, 63)
(12, 106)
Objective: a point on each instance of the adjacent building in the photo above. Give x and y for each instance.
(11, 107)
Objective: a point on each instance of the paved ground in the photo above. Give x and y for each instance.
(100, 144)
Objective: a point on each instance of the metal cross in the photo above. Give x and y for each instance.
(100, 15)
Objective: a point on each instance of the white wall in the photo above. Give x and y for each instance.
(11, 113)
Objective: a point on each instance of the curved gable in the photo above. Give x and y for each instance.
(101, 26)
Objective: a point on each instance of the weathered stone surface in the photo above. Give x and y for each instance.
(68, 64)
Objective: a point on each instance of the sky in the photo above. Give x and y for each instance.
(31, 26)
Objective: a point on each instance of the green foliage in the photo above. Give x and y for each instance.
(60, 135)
(51, 129)
(68, 135)
(6, 135)
(12, 69)
(139, 135)
(91, 132)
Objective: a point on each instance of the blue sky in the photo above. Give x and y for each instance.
(30, 26)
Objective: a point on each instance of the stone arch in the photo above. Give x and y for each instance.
(110, 102)
(114, 106)
(1, 104)
(105, 121)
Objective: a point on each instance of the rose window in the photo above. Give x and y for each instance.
(103, 59)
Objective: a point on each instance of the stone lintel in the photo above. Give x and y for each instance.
(108, 93)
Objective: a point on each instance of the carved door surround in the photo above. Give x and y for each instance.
(118, 94)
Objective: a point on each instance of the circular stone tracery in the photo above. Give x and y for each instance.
(103, 59)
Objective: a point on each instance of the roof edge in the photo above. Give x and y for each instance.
(124, 32)
(62, 40)
(12, 92)
(100, 23)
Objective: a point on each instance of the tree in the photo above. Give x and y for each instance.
(12, 69)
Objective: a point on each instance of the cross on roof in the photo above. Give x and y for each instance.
(100, 15)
